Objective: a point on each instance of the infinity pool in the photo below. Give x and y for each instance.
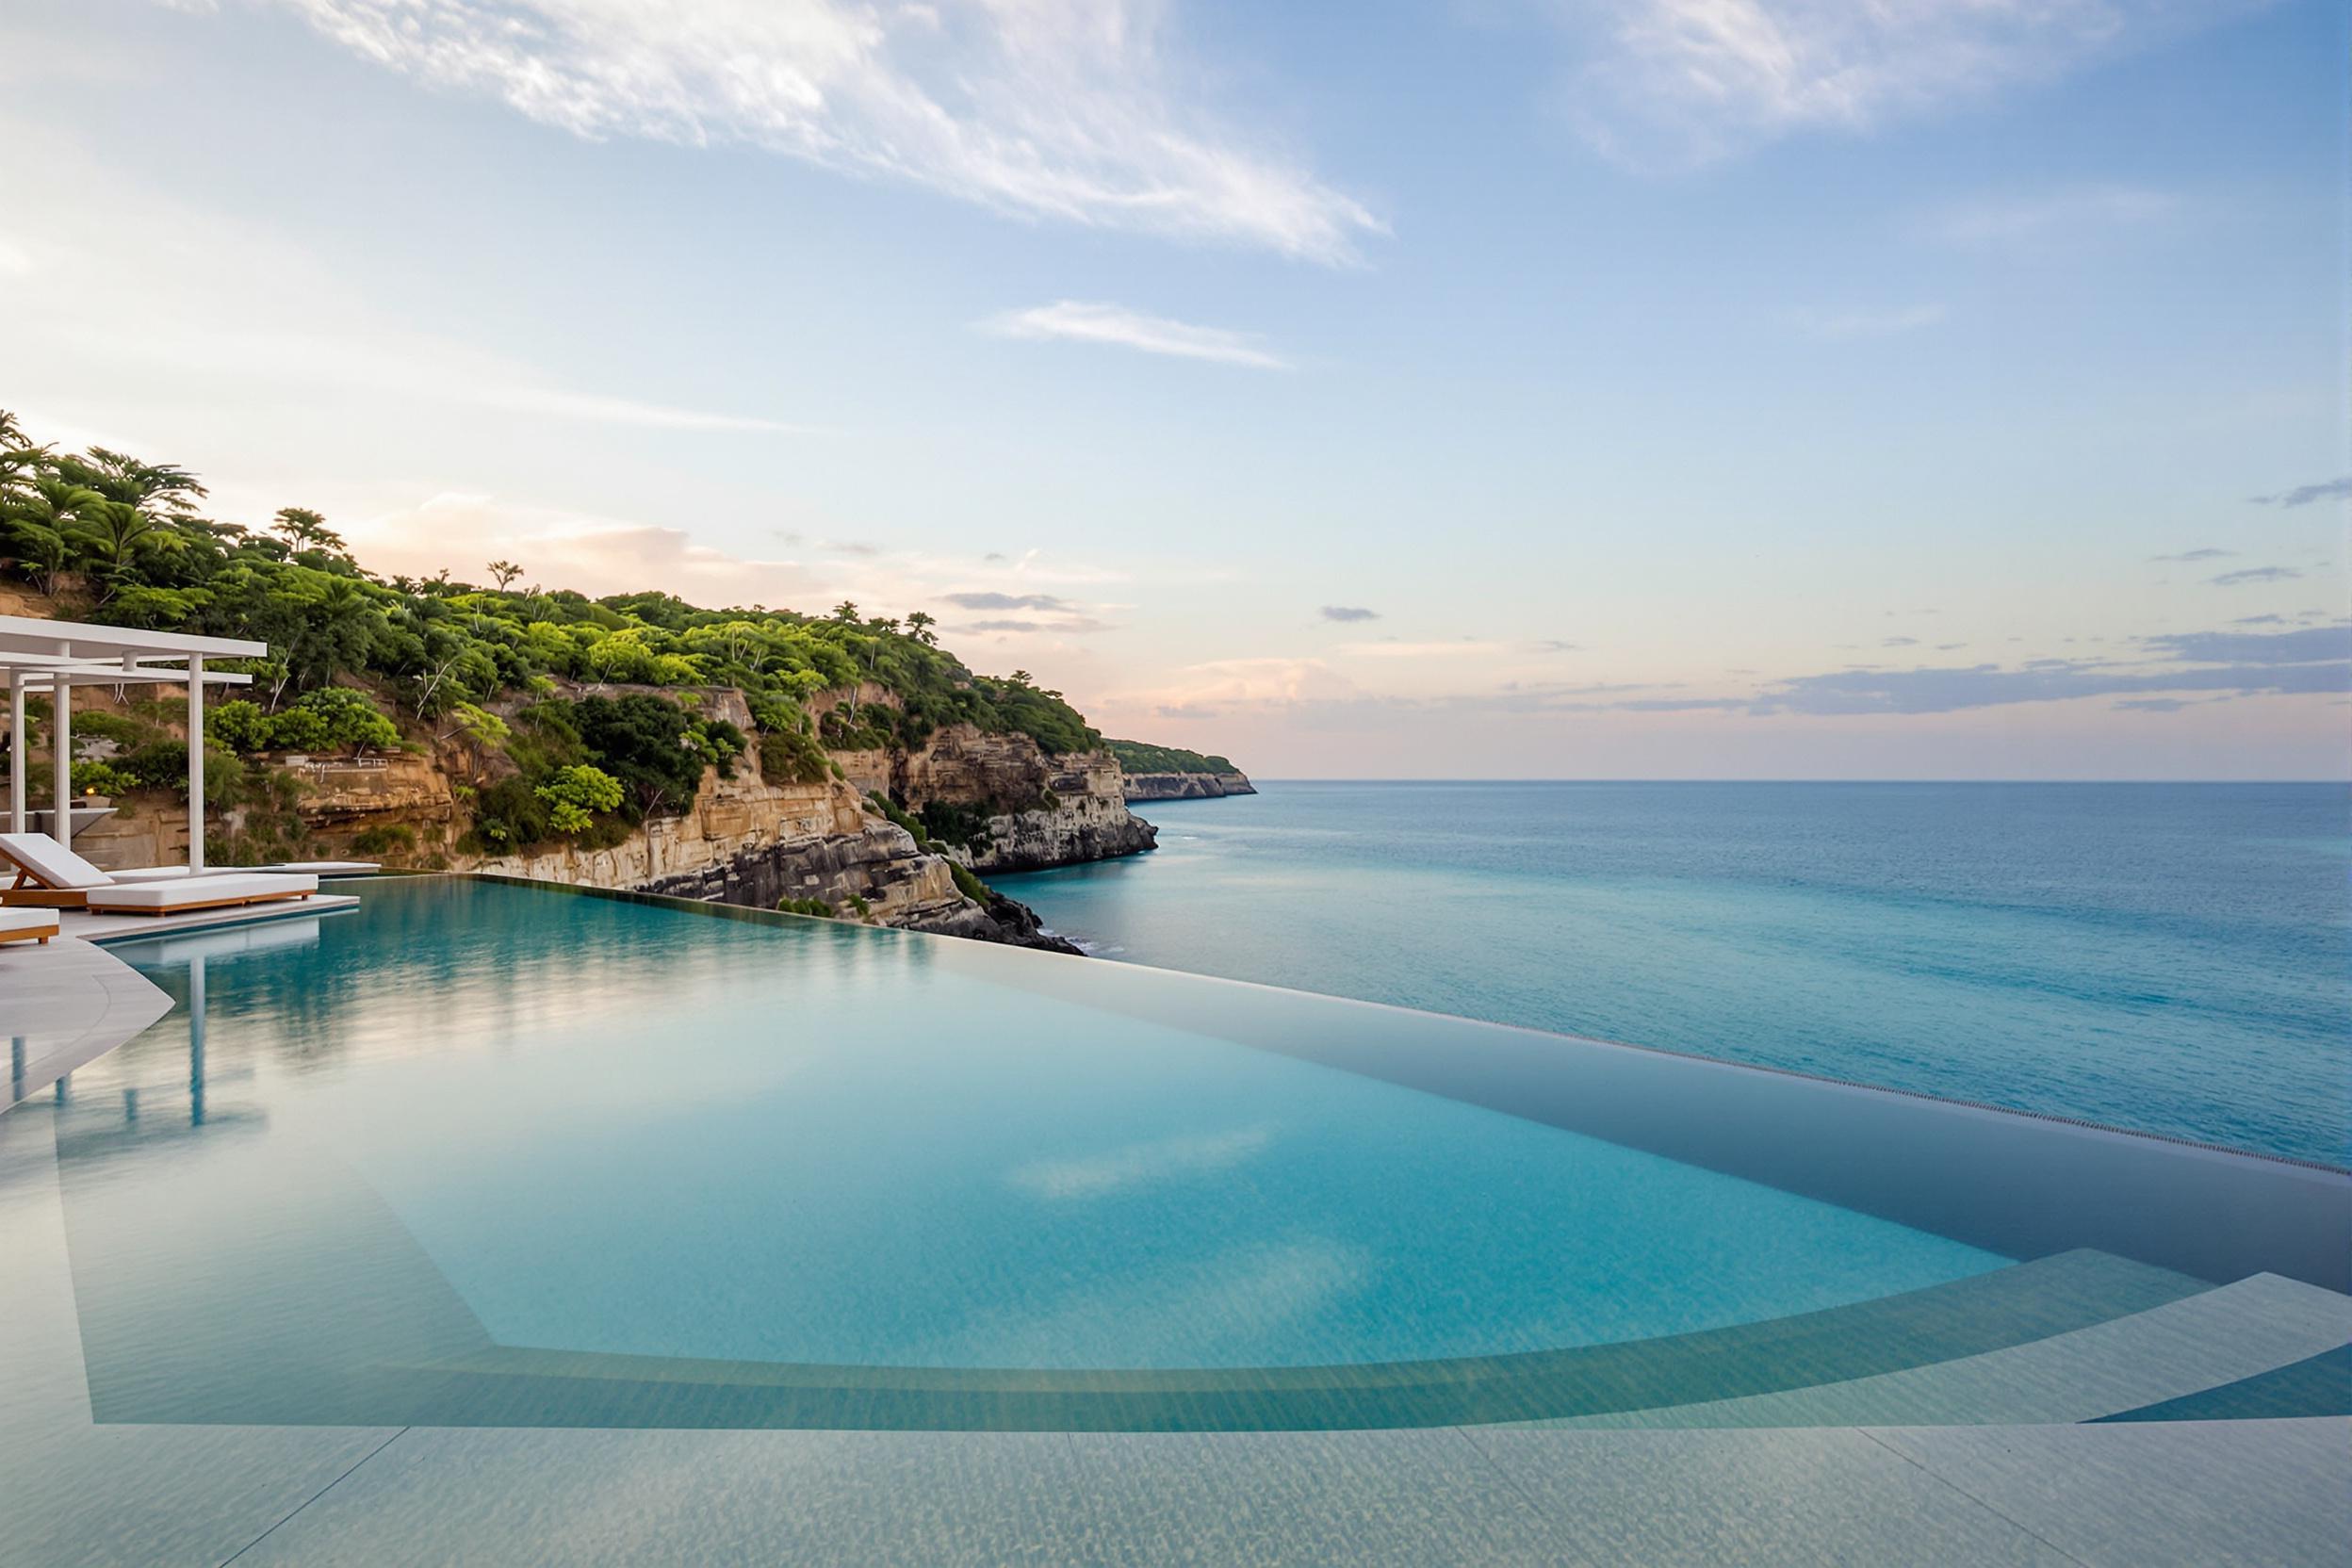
(482, 1154)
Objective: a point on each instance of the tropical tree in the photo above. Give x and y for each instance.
(305, 530)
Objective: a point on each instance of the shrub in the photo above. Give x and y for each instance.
(300, 730)
(865, 911)
(792, 757)
(102, 778)
(386, 839)
(968, 884)
(348, 718)
(163, 765)
(241, 725)
(654, 747)
(575, 794)
(966, 826)
(509, 815)
(816, 906)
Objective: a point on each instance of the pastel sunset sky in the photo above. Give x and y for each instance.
(1541, 388)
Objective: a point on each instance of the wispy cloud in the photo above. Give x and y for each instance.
(1077, 321)
(1349, 612)
(2254, 574)
(1681, 82)
(2306, 494)
(1840, 325)
(2207, 554)
(2064, 216)
(1006, 601)
(1067, 109)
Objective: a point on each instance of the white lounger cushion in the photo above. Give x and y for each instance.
(51, 862)
(199, 889)
(179, 874)
(19, 922)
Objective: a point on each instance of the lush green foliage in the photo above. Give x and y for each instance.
(1136, 757)
(575, 795)
(968, 883)
(816, 906)
(331, 718)
(124, 541)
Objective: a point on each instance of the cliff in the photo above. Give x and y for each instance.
(1188, 786)
(1000, 802)
(739, 840)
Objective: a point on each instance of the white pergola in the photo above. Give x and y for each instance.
(57, 656)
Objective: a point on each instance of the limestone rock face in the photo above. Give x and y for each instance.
(1188, 786)
(397, 785)
(1041, 811)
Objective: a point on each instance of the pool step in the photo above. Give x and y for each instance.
(2205, 1341)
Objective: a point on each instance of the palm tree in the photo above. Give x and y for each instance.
(305, 530)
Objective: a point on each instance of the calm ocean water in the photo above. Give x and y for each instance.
(2176, 958)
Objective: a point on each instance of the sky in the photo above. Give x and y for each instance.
(1470, 388)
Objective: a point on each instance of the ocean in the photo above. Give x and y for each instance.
(2170, 959)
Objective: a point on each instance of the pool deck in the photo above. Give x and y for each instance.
(76, 1490)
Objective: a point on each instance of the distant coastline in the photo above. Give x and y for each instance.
(1187, 786)
(1171, 773)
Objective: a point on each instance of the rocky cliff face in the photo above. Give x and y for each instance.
(740, 840)
(1188, 786)
(1029, 811)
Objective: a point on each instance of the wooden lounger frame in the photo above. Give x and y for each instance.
(208, 904)
(30, 893)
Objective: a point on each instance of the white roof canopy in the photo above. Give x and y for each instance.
(37, 655)
(37, 652)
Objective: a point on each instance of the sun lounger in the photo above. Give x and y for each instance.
(50, 875)
(27, 925)
(195, 892)
(291, 867)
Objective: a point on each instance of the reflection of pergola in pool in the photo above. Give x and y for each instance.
(56, 656)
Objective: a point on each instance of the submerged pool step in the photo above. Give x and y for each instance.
(2006, 1307)
(2216, 1337)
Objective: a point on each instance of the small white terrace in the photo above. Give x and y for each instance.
(54, 657)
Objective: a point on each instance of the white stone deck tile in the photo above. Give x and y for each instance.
(512, 1499)
(2161, 1493)
(64, 1003)
(1815, 1498)
(1415, 1498)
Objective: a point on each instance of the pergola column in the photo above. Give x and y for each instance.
(195, 764)
(20, 757)
(61, 756)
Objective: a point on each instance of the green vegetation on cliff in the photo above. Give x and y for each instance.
(1135, 757)
(116, 539)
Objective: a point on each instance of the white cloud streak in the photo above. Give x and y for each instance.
(1063, 109)
(1675, 82)
(1076, 322)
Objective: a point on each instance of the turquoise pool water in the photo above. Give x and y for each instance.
(495, 1154)
(2174, 958)
(623, 1128)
